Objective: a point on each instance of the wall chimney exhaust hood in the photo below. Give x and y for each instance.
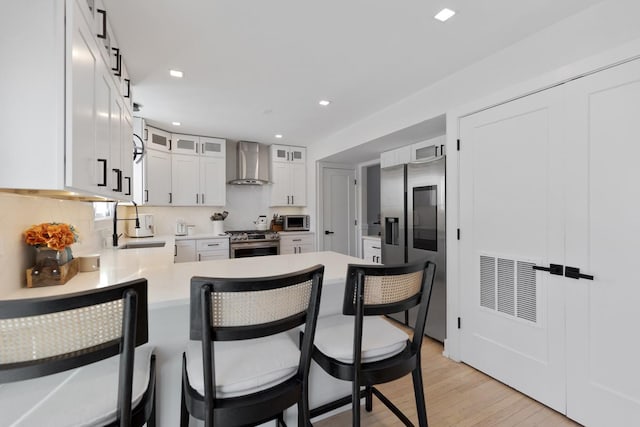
(252, 164)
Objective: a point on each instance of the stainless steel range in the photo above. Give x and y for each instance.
(247, 243)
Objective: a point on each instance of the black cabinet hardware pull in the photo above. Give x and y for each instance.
(574, 273)
(328, 232)
(146, 134)
(104, 172)
(555, 269)
(170, 197)
(118, 188)
(128, 178)
(116, 55)
(128, 88)
(103, 35)
(146, 195)
(175, 250)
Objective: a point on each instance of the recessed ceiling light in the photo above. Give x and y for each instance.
(176, 73)
(324, 102)
(444, 14)
(176, 123)
(278, 135)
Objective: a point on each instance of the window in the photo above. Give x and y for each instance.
(102, 210)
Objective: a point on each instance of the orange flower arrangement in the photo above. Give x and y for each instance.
(51, 235)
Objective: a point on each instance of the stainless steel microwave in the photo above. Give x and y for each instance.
(295, 223)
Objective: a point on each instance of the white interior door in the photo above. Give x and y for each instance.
(511, 219)
(603, 231)
(339, 211)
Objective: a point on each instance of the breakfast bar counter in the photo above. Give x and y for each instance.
(169, 286)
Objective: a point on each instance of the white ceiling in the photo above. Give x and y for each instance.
(257, 68)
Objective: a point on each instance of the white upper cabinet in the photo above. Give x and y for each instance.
(428, 149)
(182, 170)
(156, 171)
(213, 181)
(212, 147)
(157, 139)
(288, 176)
(67, 85)
(185, 144)
(399, 156)
(185, 180)
(198, 176)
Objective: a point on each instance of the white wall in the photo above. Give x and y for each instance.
(604, 26)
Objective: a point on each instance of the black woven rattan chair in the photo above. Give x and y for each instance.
(72, 360)
(361, 347)
(245, 367)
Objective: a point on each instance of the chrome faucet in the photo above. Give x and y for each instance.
(115, 235)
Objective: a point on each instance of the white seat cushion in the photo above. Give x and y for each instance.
(85, 396)
(247, 366)
(380, 339)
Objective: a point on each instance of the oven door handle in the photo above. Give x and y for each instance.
(254, 245)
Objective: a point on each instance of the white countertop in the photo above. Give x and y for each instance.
(201, 236)
(169, 282)
(294, 233)
(376, 238)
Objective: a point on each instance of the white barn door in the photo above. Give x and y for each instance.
(603, 231)
(511, 220)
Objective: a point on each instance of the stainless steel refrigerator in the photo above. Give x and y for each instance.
(413, 227)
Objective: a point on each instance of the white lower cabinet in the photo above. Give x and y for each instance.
(371, 249)
(296, 242)
(185, 251)
(212, 249)
(190, 250)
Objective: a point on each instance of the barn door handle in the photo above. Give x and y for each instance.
(555, 269)
(574, 273)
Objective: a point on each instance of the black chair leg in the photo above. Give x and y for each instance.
(418, 390)
(280, 420)
(355, 404)
(368, 399)
(151, 422)
(184, 413)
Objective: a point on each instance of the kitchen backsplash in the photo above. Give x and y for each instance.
(20, 212)
(17, 213)
(244, 204)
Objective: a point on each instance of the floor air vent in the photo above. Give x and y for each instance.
(509, 287)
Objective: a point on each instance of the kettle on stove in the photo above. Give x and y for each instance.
(261, 223)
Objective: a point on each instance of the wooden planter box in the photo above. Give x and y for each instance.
(50, 276)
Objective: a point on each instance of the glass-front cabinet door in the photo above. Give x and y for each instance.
(185, 144)
(157, 139)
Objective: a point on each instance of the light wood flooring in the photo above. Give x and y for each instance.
(456, 395)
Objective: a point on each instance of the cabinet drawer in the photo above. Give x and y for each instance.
(212, 255)
(213, 245)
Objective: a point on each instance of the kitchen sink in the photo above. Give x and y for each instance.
(141, 245)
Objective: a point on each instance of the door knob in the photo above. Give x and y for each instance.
(328, 232)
